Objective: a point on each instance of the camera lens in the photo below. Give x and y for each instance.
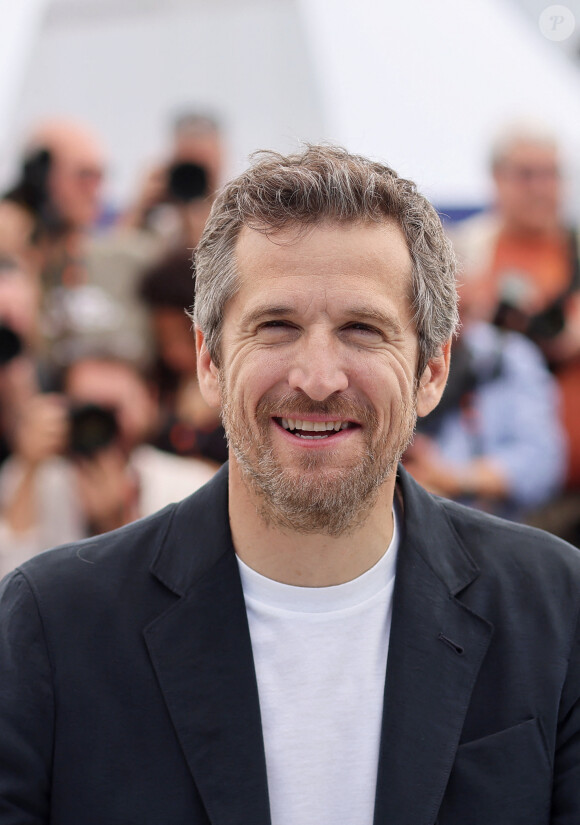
(186, 182)
(91, 429)
(10, 345)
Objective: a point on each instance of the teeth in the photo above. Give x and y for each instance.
(313, 426)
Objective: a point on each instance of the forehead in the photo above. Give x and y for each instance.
(102, 380)
(524, 153)
(370, 257)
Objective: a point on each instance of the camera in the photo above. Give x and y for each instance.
(32, 192)
(92, 428)
(186, 182)
(11, 345)
(509, 315)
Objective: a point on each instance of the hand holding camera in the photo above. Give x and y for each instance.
(178, 184)
(41, 430)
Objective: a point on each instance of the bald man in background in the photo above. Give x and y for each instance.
(57, 198)
(50, 214)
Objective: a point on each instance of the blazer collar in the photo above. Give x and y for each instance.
(197, 536)
(202, 654)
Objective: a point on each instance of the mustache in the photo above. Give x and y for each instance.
(295, 404)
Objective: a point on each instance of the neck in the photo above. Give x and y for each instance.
(307, 560)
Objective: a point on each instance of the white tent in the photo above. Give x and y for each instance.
(421, 84)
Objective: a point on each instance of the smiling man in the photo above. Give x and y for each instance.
(311, 638)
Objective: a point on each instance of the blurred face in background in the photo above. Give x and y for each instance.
(117, 387)
(528, 188)
(174, 338)
(76, 172)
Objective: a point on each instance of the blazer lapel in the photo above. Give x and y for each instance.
(436, 648)
(202, 655)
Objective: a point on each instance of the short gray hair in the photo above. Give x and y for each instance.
(523, 131)
(318, 184)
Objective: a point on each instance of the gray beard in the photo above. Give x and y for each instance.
(316, 497)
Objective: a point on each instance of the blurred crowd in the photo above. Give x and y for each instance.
(101, 418)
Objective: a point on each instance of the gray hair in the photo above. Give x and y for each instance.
(527, 131)
(326, 183)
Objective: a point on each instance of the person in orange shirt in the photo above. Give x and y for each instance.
(521, 263)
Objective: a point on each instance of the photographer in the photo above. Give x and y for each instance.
(56, 200)
(47, 219)
(522, 271)
(188, 426)
(81, 464)
(176, 195)
(495, 441)
(167, 215)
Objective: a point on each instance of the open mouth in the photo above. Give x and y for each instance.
(314, 429)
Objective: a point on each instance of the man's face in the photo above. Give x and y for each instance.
(116, 387)
(529, 188)
(317, 380)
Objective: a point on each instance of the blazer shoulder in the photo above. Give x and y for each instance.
(115, 546)
(133, 562)
(499, 546)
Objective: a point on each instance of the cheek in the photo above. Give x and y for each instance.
(253, 374)
(384, 383)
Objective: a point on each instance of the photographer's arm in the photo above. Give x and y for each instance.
(565, 347)
(151, 194)
(480, 477)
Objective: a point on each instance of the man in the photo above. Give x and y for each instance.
(188, 426)
(50, 213)
(59, 193)
(224, 661)
(469, 450)
(522, 266)
(165, 218)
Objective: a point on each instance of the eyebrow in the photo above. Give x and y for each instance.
(258, 314)
(360, 313)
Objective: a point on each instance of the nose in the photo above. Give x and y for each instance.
(318, 370)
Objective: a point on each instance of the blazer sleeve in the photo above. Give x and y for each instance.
(566, 787)
(26, 707)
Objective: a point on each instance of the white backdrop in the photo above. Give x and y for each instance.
(421, 83)
(426, 83)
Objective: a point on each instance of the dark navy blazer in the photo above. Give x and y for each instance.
(128, 693)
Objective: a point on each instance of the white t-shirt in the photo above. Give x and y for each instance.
(320, 655)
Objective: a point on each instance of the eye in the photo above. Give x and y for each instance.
(276, 330)
(274, 324)
(363, 331)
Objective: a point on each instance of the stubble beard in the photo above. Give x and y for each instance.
(316, 496)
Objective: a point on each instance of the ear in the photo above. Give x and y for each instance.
(207, 372)
(433, 380)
